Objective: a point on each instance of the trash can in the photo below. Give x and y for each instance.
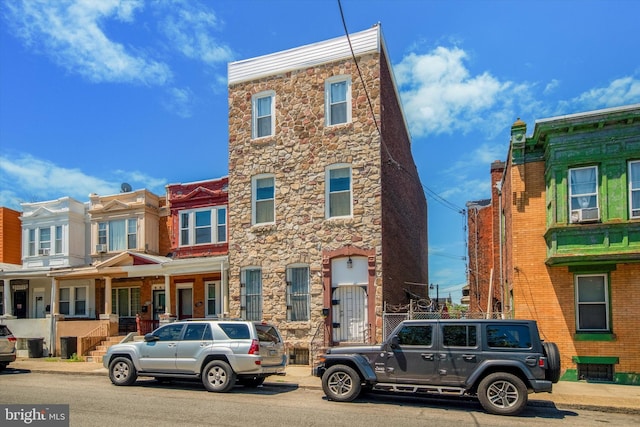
(34, 346)
(68, 346)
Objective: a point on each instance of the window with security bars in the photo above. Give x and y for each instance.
(298, 293)
(595, 372)
(251, 294)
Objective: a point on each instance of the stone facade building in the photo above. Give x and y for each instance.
(570, 208)
(327, 215)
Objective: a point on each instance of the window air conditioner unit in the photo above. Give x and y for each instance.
(585, 215)
(101, 248)
(43, 252)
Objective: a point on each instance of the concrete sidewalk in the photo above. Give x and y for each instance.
(566, 394)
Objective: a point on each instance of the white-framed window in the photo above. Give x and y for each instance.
(583, 194)
(125, 302)
(203, 226)
(338, 100)
(31, 241)
(338, 194)
(251, 293)
(72, 300)
(58, 242)
(592, 302)
(44, 240)
(118, 235)
(263, 199)
(298, 293)
(263, 114)
(214, 298)
(634, 189)
(2, 298)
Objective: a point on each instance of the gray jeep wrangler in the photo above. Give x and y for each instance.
(498, 361)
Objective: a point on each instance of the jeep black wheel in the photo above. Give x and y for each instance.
(553, 361)
(122, 371)
(218, 376)
(502, 394)
(251, 381)
(341, 383)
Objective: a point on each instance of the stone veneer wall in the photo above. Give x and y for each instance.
(297, 154)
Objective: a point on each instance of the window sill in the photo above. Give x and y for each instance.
(583, 336)
(263, 140)
(263, 228)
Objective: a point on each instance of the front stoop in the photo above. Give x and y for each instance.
(101, 349)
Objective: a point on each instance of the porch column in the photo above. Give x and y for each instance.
(108, 308)
(55, 301)
(7, 297)
(167, 295)
(225, 291)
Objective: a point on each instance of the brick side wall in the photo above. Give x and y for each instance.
(404, 207)
(479, 226)
(10, 236)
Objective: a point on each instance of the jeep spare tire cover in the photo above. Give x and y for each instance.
(553, 361)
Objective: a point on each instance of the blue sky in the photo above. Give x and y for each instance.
(96, 93)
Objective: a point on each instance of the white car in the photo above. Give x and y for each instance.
(7, 347)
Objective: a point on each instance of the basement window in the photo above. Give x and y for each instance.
(595, 372)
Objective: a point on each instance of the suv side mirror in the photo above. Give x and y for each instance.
(150, 337)
(394, 342)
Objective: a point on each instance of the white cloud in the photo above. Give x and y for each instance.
(189, 26)
(551, 86)
(70, 33)
(180, 102)
(41, 180)
(440, 95)
(622, 91)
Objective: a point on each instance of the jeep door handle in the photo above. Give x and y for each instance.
(469, 357)
(427, 356)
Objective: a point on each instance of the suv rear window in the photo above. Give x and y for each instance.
(267, 333)
(508, 336)
(4, 331)
(238, 331)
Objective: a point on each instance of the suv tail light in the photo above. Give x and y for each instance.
(12, 339)
(255, 347)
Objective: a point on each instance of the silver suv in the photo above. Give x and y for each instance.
(218, 352)
(7, 347)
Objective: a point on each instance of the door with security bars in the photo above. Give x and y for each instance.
(349, 314)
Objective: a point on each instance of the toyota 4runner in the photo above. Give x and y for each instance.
(498, 361)
(218, 352)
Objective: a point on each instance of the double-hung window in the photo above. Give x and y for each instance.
(125, 302)
(44, 241)
(634, 189)
(73, 301)
(32, 242)
(338, 191)
(118, 235)
(203, 226)
(338, 100)
(583, 194)
(263, 199)
(298, 293)
(263, 116)
(58, 243)
(592, 300)
(251, 294)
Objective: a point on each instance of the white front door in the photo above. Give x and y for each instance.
(40, 306)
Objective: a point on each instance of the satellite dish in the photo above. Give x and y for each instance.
(125, 188)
